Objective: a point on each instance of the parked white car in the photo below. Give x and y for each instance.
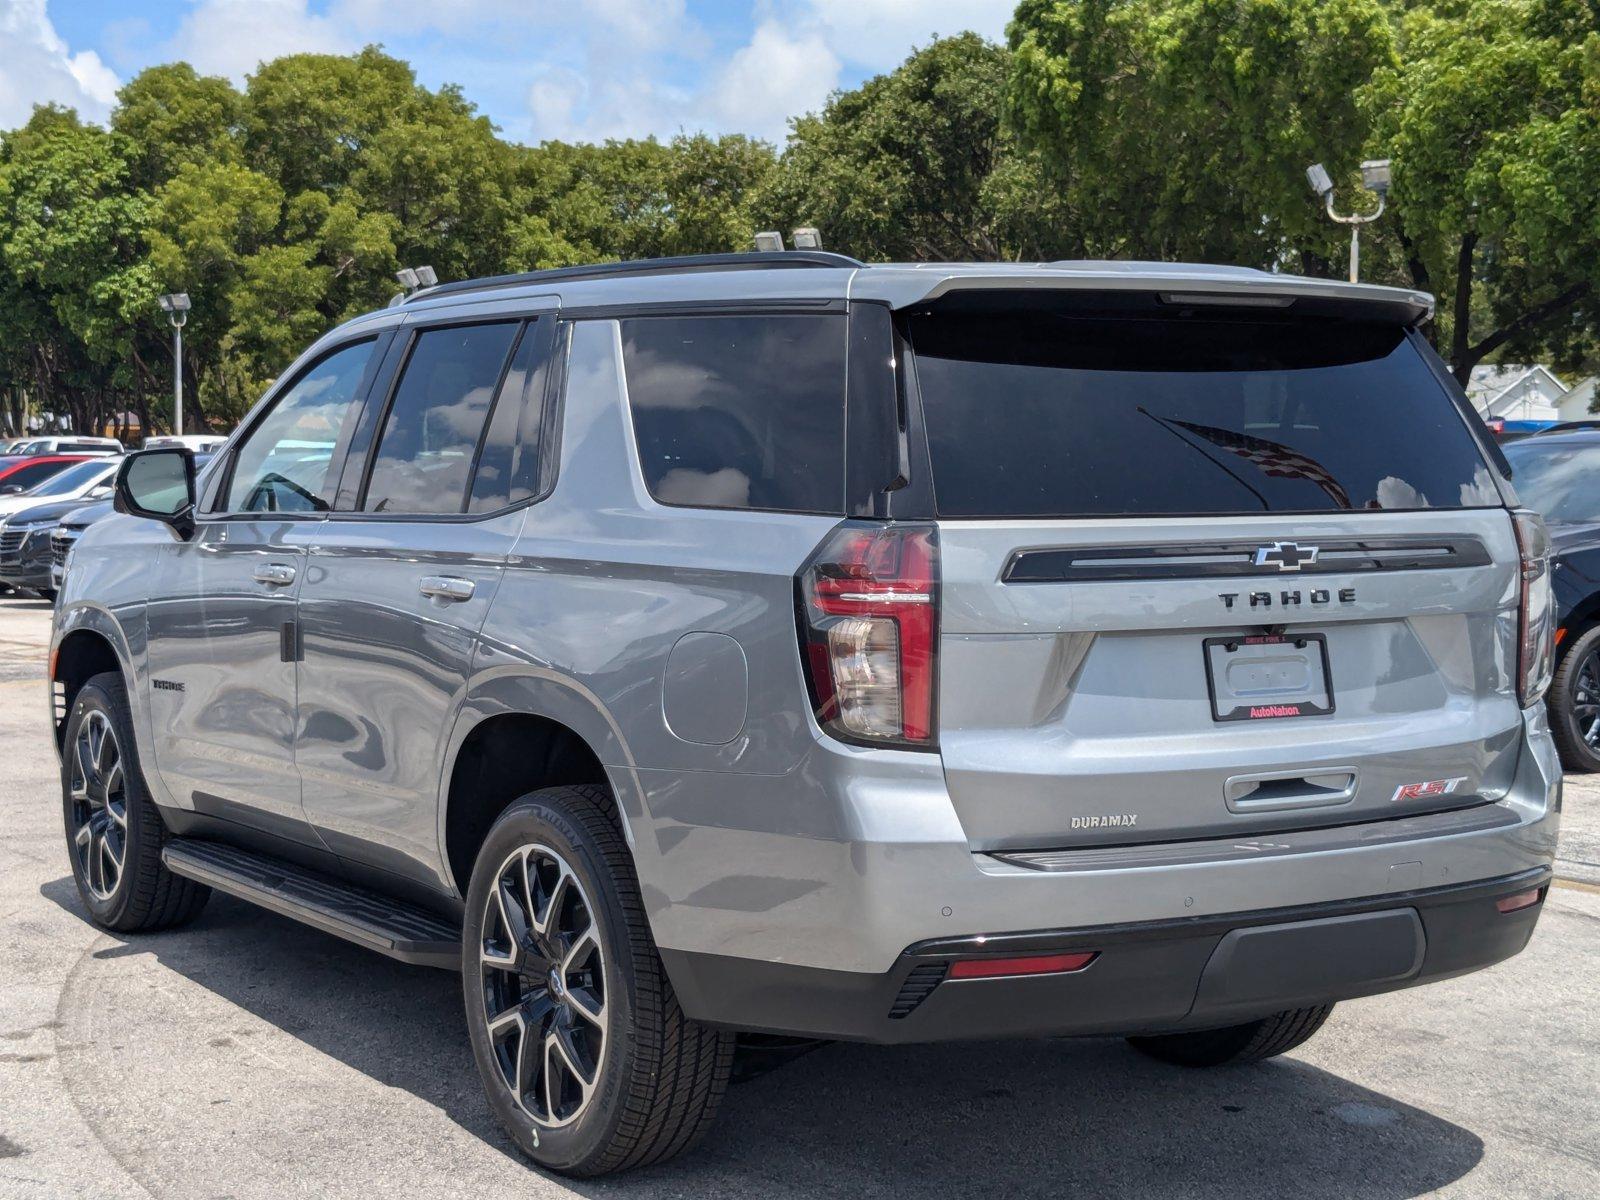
(75, 482)
(70, 443)
(200, 443)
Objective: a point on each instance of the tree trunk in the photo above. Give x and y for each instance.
(1461, 362)
(1423, 282)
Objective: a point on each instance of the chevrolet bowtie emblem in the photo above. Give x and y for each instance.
(1286, 556)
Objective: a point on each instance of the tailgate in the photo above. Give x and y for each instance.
(1077, 708)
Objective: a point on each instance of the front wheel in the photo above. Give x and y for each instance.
(1250, 1042)
(114, 834)
(586, 1057)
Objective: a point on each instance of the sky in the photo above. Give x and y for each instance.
(581, 70)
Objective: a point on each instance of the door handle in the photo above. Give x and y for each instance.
(275, 574)
(447, 588)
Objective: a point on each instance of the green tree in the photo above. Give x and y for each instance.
(170, 115)
(643, 198)
(916, 164)
(206, 222)
(308, 119)
(74, 279)
(1492, 116)
(1181, 129)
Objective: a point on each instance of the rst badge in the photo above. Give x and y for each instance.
(1433, 787)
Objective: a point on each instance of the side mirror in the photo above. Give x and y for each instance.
(158, 485)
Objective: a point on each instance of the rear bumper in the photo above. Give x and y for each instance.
(777, 900)
(1192, 973)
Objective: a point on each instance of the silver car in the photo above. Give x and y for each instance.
(775, 644)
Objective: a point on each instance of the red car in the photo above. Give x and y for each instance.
(19, 473)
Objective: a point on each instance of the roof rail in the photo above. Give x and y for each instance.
(685, 263)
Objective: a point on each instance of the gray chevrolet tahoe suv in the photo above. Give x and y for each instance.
(778, 646)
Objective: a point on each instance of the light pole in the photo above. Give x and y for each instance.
(176, 306)
(1375, 178)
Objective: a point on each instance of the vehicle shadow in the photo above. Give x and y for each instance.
(1054, 1118)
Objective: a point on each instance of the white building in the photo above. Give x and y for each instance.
(1577, 404)
(1521, 393)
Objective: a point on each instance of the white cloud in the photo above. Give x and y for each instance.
(554, 98)
(879, 34)
(777, 76)
(232, 37)
(588, 70)
(37, 67)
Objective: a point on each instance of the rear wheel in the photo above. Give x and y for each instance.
(1250, 1042)
(114, 834)
(586, 1057)
(1575, 703)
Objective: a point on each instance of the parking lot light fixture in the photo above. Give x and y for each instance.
(176, 306)
(1375, 178)
(769, 241)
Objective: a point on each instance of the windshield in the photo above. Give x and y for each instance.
(73, 478)
(1558, 479)
(1054, 412)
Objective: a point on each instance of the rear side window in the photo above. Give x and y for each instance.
(740, 411)
(1054, 413)
(25, 477)
(431, 432)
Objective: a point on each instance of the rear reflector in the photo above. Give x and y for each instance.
(1034, 964)
(1522, 900)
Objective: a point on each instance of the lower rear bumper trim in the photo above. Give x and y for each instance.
(1148, 977)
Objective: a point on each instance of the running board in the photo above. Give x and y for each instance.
(371, 919)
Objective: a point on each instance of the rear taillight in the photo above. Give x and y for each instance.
(869, 628)
(1536, 624)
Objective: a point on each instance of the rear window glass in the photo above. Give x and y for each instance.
(1043, 413)
(739, 412)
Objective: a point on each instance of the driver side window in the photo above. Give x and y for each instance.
(285, 464)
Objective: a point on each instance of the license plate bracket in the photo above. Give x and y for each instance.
(1268, 676)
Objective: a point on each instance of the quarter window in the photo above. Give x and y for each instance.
(285, 465)
(508, 464)
(739, 412)
(430, 435)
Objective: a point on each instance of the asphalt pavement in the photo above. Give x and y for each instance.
(246, 1056)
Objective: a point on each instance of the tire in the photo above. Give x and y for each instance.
(1250, 1042)
(114, 834)
(657, 1077)
(1575, 702)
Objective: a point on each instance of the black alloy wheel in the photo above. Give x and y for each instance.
(1574, 701)
(98, 795)
(544, 987)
